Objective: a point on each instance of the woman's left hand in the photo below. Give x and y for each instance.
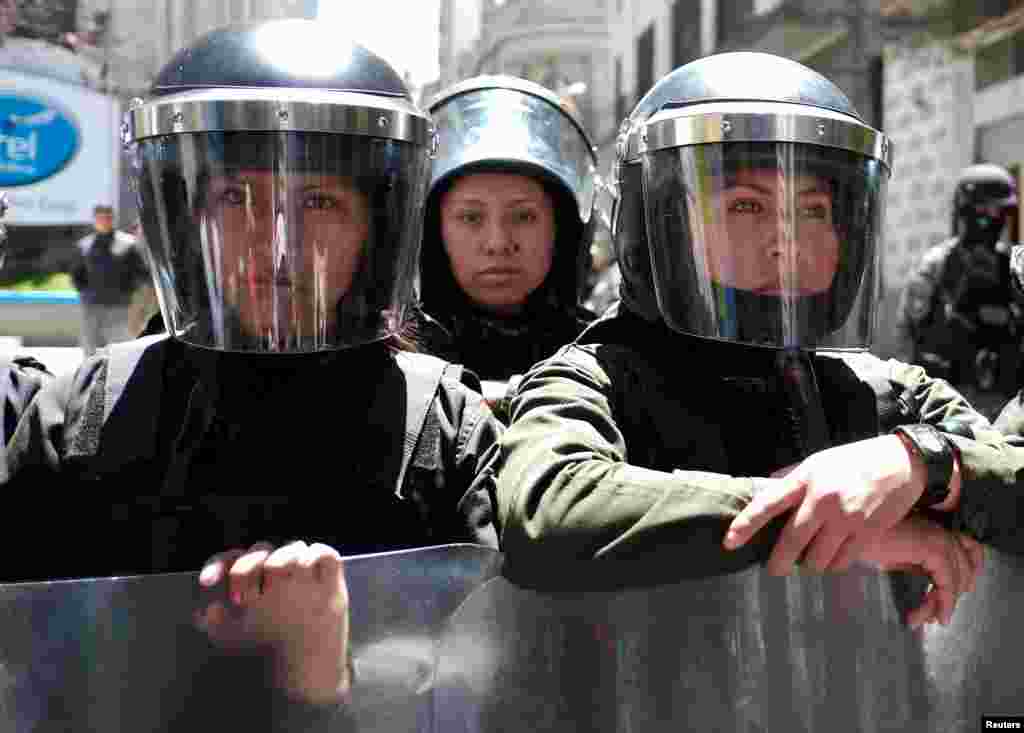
(953, 562)
(292, 600)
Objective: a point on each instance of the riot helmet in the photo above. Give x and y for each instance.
(983, 197)
(748, 205)
(503, 124)
(280, 172)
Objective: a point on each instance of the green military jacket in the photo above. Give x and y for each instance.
(1011, 420)
(635, 443)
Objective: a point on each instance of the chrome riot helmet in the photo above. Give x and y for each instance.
(981, 202)
(280, 173)
(749, 205)
(503, 124)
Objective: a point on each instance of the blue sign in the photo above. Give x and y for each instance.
(37, 140)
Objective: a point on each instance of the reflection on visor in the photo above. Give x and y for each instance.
(764, 243)
(281, 251)
(512, 126)
(282, 242)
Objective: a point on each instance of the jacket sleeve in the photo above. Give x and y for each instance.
(39, 442)
(20, 379)
(568, 495)
(474, 434)
(991, 504)
(1011, 420)
(918, 299)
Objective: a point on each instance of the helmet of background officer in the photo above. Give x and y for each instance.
(280, 172)
(982, 201)
(510, 210)
(749, 205)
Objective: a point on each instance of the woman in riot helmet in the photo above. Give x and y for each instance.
(280, 172)
(508, 225)
(746, 227)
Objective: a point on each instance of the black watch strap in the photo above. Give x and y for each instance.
(938, 454)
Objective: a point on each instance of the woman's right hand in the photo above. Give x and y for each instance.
(291, 600)
(952, 561)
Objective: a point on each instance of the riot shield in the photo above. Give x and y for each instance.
(442, 641)
(974, 664)
(744, 653)
(123, 654)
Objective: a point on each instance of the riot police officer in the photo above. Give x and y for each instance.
(957, 312)
(509, 220)
(280, 172)
(747, 227)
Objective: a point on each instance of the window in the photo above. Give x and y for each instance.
(731, 14)
(686, 33)
(620, 97)
(999, 61)
(645, 61)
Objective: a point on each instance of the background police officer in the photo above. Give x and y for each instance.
(957, 313)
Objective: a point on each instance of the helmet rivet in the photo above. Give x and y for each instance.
(382, 121)
(821, 129)
(726, 127)
(282, 114)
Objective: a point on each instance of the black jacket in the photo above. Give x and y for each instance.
(110, 267)
(153, 456)
(499, 348)
(950, 281)
(186, 452)
(20, 378)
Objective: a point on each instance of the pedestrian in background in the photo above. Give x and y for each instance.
(110, 269)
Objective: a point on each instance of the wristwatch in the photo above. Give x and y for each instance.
(938, 454)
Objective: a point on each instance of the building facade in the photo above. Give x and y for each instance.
(460, 29)
(143, 34)
(953, 96)
(561, 44)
